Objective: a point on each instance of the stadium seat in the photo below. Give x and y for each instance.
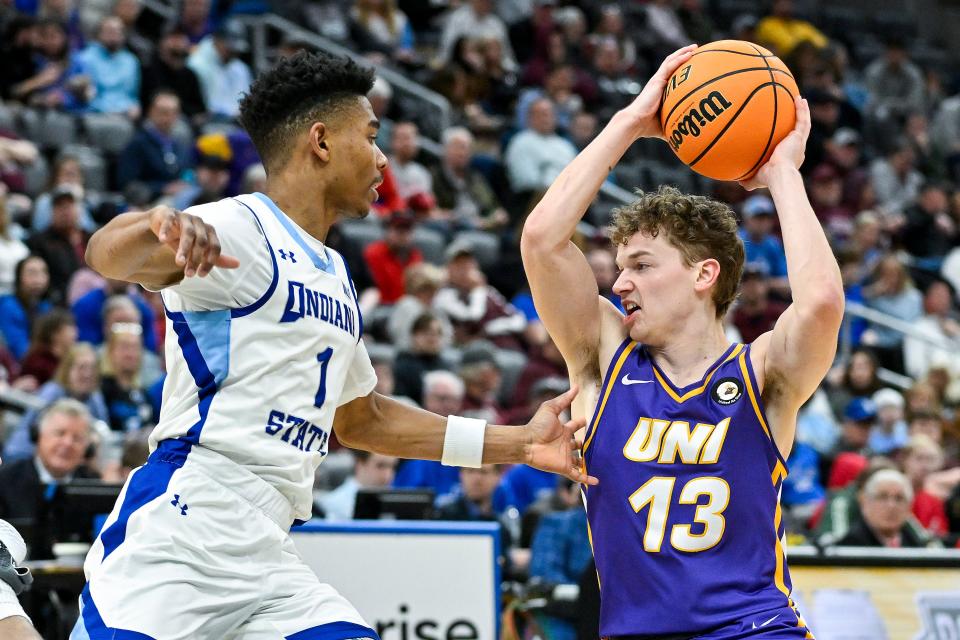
(93, 165)
(108, 131)
(55, 129)
(37, 176)
(511, 364)
(486, 246)
(361, 233)
(431, 243)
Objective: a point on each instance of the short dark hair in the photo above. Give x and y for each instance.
(299, 90)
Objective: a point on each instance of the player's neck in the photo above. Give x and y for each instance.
(690, 351)
(306, 207)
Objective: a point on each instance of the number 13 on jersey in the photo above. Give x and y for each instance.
(657, 494)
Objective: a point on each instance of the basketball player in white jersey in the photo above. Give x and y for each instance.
(265, 358)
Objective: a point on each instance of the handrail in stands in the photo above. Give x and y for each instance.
(262, 60)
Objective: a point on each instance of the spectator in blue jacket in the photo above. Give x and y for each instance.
(153, 157)
(19, 309)
(760, 244)
(114, 71)
(90, 312)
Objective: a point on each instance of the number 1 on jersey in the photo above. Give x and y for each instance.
(324, 359)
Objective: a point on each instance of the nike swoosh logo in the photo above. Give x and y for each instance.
(766, 623)
(627, 381)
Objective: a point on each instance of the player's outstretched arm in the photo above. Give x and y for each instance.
(17, 628)
(380, 424)
(798, 352)
(156, 248)
(563, 287)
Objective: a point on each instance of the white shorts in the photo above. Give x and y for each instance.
(199, 547)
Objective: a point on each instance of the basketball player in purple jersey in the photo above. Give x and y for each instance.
(689, 433)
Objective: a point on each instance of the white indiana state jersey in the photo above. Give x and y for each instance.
(260, 357)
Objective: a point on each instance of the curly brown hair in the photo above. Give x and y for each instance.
(698, 226)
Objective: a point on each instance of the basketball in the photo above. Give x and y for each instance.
(725, 110)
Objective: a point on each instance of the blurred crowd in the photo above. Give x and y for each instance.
(108, 105)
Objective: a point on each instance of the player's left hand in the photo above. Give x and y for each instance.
(553, 446)
(789, 153)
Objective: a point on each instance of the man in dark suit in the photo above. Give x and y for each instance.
(63, 435)
(153, 157)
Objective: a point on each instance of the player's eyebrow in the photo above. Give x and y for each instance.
(374, 124)
(633, 255)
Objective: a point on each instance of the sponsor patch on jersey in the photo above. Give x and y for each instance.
(726, 391)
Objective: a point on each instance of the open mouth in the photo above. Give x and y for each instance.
(630, 307)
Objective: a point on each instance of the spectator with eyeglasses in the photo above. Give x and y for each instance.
(885, 506)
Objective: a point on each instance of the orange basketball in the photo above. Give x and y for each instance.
(725, 109)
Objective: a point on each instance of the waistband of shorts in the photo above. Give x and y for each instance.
(230, 475)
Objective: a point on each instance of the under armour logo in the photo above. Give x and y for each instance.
(176, 502)
(286, 254)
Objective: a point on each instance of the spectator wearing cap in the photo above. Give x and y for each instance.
(168, 70)
(63, 244)
(212, 176)
(477, 310)
(895, 178)
(421, 282)
(66, 170)
(930, 231)
(760, 244)
(153, 156)
(423, 355)
(890, 432)
(782, 30)
(826, 198)
(223, 76)
(463, 195)
(859, 418)
(537, 155)
(920, 460)
(114, 72)
(412, 177)
(885, 506)
(843, 153)
(941, 322)
(387, 259)
(755, 313)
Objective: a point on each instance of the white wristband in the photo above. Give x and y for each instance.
(463, 442)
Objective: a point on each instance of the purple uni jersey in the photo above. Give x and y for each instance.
(685, 522)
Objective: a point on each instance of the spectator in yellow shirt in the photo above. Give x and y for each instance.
(782, 32)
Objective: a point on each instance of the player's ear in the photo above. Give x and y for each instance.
(319, 140)
(707, 274)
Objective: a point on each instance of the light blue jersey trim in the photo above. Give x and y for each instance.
(205, 379)
(322, 263)
(211, 330)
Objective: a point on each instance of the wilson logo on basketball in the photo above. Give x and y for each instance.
(693, 122)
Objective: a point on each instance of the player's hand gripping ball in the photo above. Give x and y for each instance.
(727, 107)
